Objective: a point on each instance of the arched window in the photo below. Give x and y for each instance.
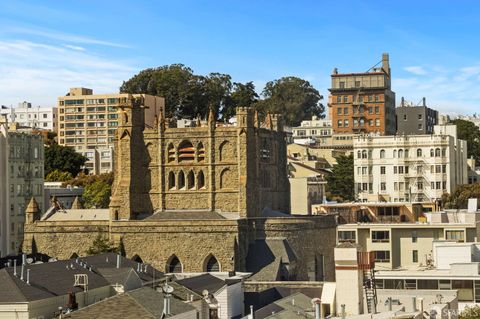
(212, 264)
(382, 153)
(171, 180)
(225, 151)
(137, 259)
(190, 180)
(364, 154)
(226, 178)
(419, 152)
(394, 153)
(359, 154)
(432, 152)
(406, 153)
(444, 152)
(170, 153)
(437, 152)
(174, 265)
(400, 153)
(200, 152)
(181, 180)
(200, 180)
(186, 152)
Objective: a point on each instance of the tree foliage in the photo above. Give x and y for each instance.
(293, 97)
(469, 132)
(340, 184)
(459, 198)
(101, 245)
(188, 95)
(58, 176)
(97, 189)
(470, 313)
(63, 158)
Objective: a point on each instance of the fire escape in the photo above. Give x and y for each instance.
(358, 113)
(366, 262)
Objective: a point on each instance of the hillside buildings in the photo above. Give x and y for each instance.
(21, 178)
(313, 132)
(415, 120)
(363, 102)
(34, 117)
(88, 123)
(409, 167)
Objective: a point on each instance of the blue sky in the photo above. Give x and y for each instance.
(48, 46)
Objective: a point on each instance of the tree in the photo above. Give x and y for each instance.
(242, 95)
(293, 97)
(340, 184)
(459, 198)
(64, 159)
(470, 313)
(469, 132)
(58, 176)
(101, 245)
(97, 195)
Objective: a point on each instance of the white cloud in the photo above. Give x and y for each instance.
(417, 70)
(453, 91)
(74, 47)
(39, 73)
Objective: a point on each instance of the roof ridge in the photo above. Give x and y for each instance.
(138, 303)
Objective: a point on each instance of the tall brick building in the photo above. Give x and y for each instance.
(363, 102)
(213, 196)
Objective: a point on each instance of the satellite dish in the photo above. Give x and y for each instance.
(29, 260)
(167, 289)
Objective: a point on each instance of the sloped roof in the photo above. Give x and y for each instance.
(139, 303)
(203, 282)
(265, 258)
(296, 305)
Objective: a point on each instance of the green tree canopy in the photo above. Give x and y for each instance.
(188, 95)
(293, 97)
(58, 176)
(469, 132)
(340, 184)
(459, 198)
(63, 158)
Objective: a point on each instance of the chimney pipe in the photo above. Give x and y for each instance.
(402, 103)
(251, 313)
(420, 300)
(414, 303)
(21, 272)
(424, 101)
(389, 303)
(118, 261)
(24, 259)
(138, 267)
(28, 276)
(14, 267)
(318, 305)
(343, 314)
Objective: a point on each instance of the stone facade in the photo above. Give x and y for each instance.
(186, 196)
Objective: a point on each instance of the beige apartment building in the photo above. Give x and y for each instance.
(403, 168)
(410, 244)
(21, 178)
(88, 122)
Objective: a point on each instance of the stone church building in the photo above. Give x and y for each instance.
(213, 197)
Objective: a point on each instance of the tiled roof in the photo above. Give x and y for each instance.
(203, 282)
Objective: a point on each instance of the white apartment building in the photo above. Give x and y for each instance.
(88, 123)
(35, 117)
(314, 131)
(21, 178)
(415, 168)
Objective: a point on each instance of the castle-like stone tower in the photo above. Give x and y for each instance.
(227, 168)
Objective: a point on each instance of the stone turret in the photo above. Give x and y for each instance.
(32, 211)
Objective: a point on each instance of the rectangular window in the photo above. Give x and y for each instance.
(377, 122)
(383, 186)
(370, 110)
(420, 185)
(339, 123)
(404, 117)
(382, 256)
(415, 256)
(414, 236)
(419, 116)
(377, 110)
(457, 235)
(438, 185)
(357, 84)
(395, 170)
(339, 111)
(345, 123)
(345, 99)
(346, 236)
(345, 110)
(339, 99)
(420, 126)
(380, 236)
(342, 85)
(382, 170)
